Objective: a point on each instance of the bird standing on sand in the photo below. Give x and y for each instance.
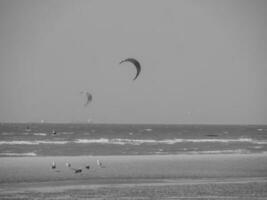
(53, 165)
(76, 171)
(68, 164)
(99, 163)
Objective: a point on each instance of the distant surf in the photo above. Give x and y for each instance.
(122, 141)
(18, 154)
(35, 142)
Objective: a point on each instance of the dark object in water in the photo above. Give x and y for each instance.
(28, 128)
(212, 135)
(87, 167)
(54, 132)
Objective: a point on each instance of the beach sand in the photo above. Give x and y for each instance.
(206, 176)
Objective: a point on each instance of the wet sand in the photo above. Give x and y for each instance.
(220, 176)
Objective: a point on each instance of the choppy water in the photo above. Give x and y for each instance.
(106, 139)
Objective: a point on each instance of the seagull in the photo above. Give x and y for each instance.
(68, 164)
(76, 171)
(99, 163)
(53, 165)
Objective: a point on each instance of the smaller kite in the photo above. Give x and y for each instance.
(88, 97)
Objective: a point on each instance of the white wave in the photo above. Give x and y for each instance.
(85, 141)
(40, 134)
(234, 151)
(121, 141)
(258, 147)
(103, 141)
(52, 142)
(34, 142)
(66, 133)
(260, 142)
(148, 129)
(237, 151)
(18, 154)
(5, 133)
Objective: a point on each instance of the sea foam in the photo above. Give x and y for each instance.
(18, 154)
(34, 142)
(122, 141)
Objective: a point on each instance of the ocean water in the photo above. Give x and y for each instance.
(128, 139)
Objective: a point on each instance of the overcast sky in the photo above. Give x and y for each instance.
(203, 61)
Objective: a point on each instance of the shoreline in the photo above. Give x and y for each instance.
(228, 176)
(38, 169)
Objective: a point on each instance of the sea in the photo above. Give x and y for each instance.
(49, 139)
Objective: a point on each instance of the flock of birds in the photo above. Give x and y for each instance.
(76, 170)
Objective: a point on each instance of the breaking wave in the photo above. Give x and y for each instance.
(34, 142)
(120, 141)
(18, 154)
(40, 134)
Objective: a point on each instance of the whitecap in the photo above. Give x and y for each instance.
(258, 147)
(34, 142)
(87, 141)
(66, 133)
(233, 151)
(40, 134)
(6, 133)
(120, 141)
(18, 154)
(148, 129)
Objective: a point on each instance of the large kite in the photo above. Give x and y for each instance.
(135, 63)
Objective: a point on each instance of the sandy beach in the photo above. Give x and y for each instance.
(162, 176)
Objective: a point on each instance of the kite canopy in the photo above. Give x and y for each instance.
(88, 97)
(135, 63)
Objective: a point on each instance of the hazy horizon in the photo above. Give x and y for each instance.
(203, 62)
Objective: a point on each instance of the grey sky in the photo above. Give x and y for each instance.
(203, 61)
